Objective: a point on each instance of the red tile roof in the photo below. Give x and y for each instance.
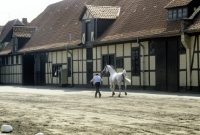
(138, 18)
(104, 12)
(1, 29)
(195, 26)
(8, 27)
(177, 3)
(24, 31)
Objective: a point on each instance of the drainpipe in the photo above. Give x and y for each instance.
(71, 59)
(140, 45)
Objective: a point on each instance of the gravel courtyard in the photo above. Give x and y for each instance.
(75, 111)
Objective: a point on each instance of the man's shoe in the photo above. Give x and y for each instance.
(99, 95)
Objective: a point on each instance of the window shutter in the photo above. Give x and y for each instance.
(92, 29)
(83, 31)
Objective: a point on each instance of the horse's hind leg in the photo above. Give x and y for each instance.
(125, 90)
(119, 90)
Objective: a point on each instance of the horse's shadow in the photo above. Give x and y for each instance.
(117, 96)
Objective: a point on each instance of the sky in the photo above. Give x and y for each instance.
(18, 9)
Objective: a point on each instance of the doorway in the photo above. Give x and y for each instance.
(28, 70)
(167, 65)
(89, 72)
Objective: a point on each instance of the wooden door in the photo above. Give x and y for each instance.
(28, 70)
(161, 66)
(172, 65)
(89, 72)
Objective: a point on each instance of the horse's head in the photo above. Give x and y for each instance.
(105, 70)
(108, 69)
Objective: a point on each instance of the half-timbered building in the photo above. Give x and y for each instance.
(157, 42)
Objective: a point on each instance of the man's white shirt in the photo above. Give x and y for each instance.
(96, 79)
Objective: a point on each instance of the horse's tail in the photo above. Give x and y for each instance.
(126, 77)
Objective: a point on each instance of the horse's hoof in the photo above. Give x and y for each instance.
(118, 95)
(113, 93)
(125, 93)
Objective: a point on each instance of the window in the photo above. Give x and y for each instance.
(89, 53)
(69, 66)
(87, 32)
(135, 61)
(170, 14)
(119, 62)
(180, 13)
(177, 13)
(185, 12)
(152, 48)
(55, 69)
(15, 44)
(108, 59)
(174, 13)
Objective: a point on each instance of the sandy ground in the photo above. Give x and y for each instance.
(65, 111)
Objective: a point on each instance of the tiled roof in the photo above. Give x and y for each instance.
(138, 18)
(8, 27)
(7, 49)
(195, 26)
(104, 12)
(1, 29)
(177, 3)
(23, 31)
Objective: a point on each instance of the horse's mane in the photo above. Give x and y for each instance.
(112, 67)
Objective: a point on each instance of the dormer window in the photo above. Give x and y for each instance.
(21, 35)
(95, 20)
(177, 13)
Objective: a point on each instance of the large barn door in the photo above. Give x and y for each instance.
(161, 66)
(172, 65)
(42, 69)
(28, 70)
(89, 72)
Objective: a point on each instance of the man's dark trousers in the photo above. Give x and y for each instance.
(97, 85)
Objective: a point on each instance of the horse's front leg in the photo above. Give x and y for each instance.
(119, 90)
(112, 88)
(113, 91)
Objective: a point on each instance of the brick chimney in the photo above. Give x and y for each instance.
(24, 20)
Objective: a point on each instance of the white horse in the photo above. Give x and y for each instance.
(116, 78)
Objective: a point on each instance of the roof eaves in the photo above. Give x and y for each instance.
(135, 38)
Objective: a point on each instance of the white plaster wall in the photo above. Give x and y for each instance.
(119, 50)
(111, 49)
(136, 80)
(183, 61)
(104, 50)
(152, 63)
(98, 52)
(127, 49)
(182, 78)
(127, 63)
(194, 78)
(59, 57)
(152, 78)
